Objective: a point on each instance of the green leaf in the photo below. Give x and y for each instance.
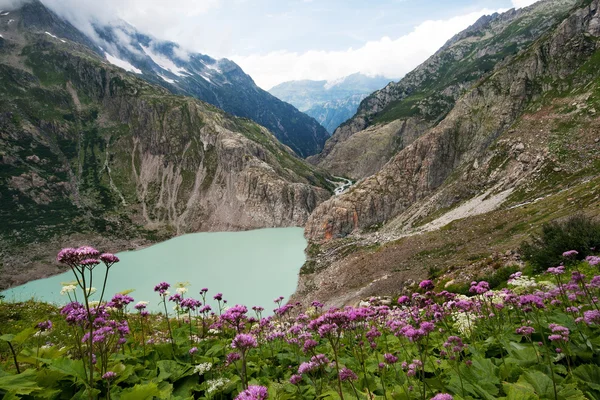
(72, 368)
(570, 392)
(541, 383)
(24, 383)
(589, 374)
(141, 392)
(172, 370)
(519, 391)
(8, 337)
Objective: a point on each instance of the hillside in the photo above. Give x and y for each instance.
(219, 82)
(519, 148)
(392, 118)
(90, 153)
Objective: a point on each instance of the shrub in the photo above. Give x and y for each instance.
(576, 233)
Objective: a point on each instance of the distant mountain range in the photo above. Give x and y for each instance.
(330, 103)
(219, 82)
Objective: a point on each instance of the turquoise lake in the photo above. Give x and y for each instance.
(250, 268)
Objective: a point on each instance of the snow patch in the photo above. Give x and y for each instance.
(55, 37)
(10, 21)
(4, 14)
(164, 62)
(206, 78)
(1, 36)
(213, 67)
(122, 63)
(334, 83)
(166, 79)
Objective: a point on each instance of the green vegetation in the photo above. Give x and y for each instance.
(578, 233)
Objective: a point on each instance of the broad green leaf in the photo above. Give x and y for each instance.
(589, 374)
(23, 383)
(541, 383)
(172, 370)
(23, 336)
(570, 392)
(8, 337)
(519, 391)
(145, 391)
(73, 368)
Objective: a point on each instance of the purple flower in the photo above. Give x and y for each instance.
(119, 301)
(570, 253)
(44, 326)
(109, 259)
(162, 287)
(591, 317)
(244, 341)
(295, 379)
(232, 357)
(403, 299)
(110, 375)
(442, 396)
(190, 304)
(525, 330)
(253, 393)
(390, 358)
(593, 260)
(89, 262)
(218, 296)
(193, 351)
(306, 367)
(347, 374)
(426, 285)
(556, 270)
(479, 287)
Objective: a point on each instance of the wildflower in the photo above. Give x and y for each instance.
(244, 341)
(203, 368)
(479, 288)
(109, 259)
(591, 317)
(295, 379)
(253, 392)
(141, 305)
(390, 358)
(403, 299)
(442, 396)
(181, 290)
(44, 326)
(193, 351)
(67, 289)
(161, 288)
(218, 296)
(214, 385)
(232, 357)
(347, 374)
(426, 285)
(525, 330)
(570, 253)
(110, 375)
(593, 260)
(556, 270)
(306, 367)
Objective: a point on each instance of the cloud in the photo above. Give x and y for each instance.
(392, 58)
(523, 3)
(11, 4)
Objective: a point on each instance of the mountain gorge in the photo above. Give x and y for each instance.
(330, 103)
(91, 153)
(515, 145)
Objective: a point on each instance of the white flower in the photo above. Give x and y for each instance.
(90, 290)
(463, 321)
(142, 303)
(67, 289)
(216, 384)
(213, 331)
(203, 368)
(94, 303)
(181, 290)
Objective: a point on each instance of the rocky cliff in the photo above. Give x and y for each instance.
(425, 96)
(91, 153)
(518, 148)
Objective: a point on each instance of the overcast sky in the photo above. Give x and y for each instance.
(279, 40)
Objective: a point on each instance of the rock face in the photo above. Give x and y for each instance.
(518, 148)
(91, 153)
(219, 82)
(426, 95)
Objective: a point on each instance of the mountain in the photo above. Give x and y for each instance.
(92, 154)
(219, 82)
(392, 118)
(518, 147)
(330, 103)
